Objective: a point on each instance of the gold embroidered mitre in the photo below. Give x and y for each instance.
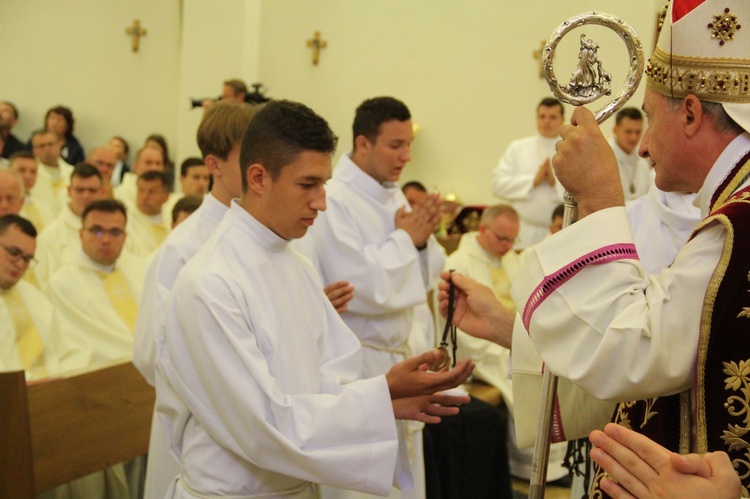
(704, 49)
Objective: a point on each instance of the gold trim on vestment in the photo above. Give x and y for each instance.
(733, 185)
(701, 434)
(710, 79)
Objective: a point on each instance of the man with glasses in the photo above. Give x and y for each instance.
(61, 236)
(99, 288)
(487, 256)
(30, 329)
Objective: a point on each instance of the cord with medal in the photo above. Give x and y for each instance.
(445, 358)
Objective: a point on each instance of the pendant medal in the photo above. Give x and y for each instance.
(450, 329)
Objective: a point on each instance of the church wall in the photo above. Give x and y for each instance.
(219, 42)
(465, 69)
(76, 53)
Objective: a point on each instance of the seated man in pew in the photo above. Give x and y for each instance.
(30, 328)
(98, 289)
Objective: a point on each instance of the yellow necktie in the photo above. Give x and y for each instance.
(159, 232)
(29, 211)
(121, 297)
(28, 340)
(501, 286)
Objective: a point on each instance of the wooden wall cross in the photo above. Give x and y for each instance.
(135, 32)
(316, 43)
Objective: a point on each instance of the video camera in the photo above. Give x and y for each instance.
(255, 97)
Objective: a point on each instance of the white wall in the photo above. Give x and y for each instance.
(465, 69)
(220, 41)
(76, 53)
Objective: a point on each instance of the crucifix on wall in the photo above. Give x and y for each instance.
(317, 43)
(135, 32)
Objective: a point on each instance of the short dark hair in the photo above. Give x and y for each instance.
(374, 112)
(189, 163)
(632, 113)
(23, 224)
(150, 175)
(279, 132)
(67, 115)
(12, 106)
(551, 102)
(188, 204)
(222, 127)
(85, 170)
(106, 206)
(236, 85)
(23, 153)
(414, 185)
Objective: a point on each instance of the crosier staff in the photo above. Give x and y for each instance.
(588, 82)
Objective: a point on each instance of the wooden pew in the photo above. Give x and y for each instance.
(54, 431)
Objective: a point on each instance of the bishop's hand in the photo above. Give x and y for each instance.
(586, 165)
(477, 311)
(412, 377)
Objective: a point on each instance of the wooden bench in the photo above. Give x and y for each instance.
(58, 430)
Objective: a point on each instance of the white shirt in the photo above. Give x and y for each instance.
(636, 175)
(513, 182)
(255, 375)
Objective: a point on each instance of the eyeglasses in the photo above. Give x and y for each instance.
(502, 239)
(100, 231)
(16, 254)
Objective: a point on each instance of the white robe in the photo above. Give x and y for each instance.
(40, 205)
(56, 244)
(59, 356)
(77, 292)
(179, 247)
(661, 223)
(513, 182)
(256, 376)
(127, 189)
(627, 335)
(57, 178)
(142, 240)
(356, 240)
(635, 172)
